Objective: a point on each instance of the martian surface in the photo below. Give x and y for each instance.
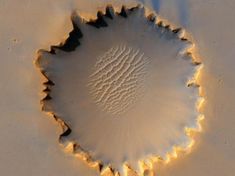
(117, 88)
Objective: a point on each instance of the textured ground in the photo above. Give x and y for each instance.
(30, 139)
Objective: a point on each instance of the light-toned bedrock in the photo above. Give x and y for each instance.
(124, 90)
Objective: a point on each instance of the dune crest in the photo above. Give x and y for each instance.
(118, 80)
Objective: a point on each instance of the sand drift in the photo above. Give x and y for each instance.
(124, 89)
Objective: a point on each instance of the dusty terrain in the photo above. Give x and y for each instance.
(30, 139)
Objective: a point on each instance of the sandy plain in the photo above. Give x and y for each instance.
(29, 139)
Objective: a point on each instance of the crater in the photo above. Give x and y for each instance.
(124, 90)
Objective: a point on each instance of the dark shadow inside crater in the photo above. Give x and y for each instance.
(72, 42)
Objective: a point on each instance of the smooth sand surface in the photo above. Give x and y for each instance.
(30, 139)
